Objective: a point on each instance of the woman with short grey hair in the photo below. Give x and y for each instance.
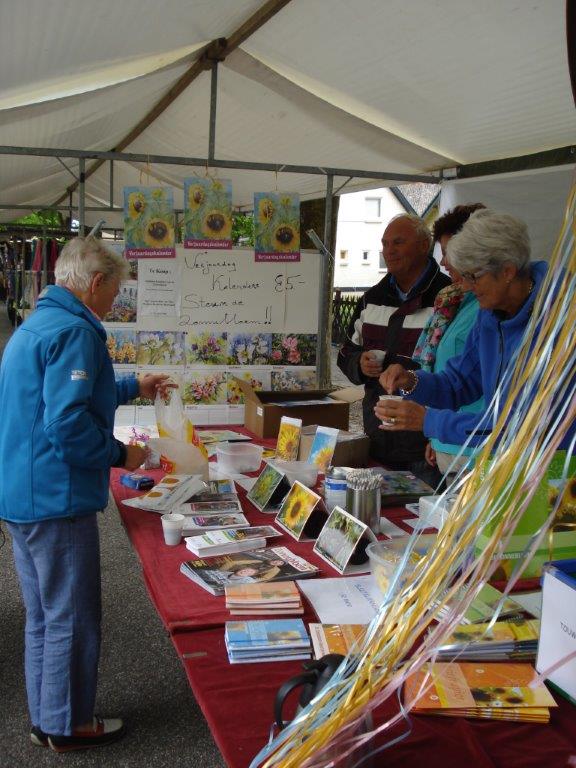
(488, 242)
(492, 256)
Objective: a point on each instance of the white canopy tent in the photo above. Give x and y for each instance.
(397, 89)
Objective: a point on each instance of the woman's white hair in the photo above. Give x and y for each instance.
(82, 258)
(488, 241)
(420, 227)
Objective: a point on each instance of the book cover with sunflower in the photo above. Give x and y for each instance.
(207, 213)
(322, 448)
(277, 226)
(149, 222)
(297, 509)
(288, 438)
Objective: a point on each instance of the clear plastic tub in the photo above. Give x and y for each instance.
(238, 457)
(386, 556)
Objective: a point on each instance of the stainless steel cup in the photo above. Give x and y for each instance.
(365, 506)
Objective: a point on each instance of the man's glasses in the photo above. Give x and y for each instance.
(472, 277)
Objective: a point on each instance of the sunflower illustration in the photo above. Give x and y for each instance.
(136, 204)
(266, 210)
(196, 197)
(296, 508)
(286, 238)
(159, 233)
(288, 441)
(217, 224)
(323, 457)
(566, 512)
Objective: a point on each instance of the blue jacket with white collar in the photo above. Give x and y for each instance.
(58, 396)
(491, 346)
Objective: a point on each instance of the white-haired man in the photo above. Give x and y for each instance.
(58, 396)
(390, 317)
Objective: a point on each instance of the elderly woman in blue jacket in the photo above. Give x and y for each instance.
(58, 396)
(492, 255)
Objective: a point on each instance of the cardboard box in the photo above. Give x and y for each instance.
(558, 626)
(263, 410)
(560, 543)
(352, 449)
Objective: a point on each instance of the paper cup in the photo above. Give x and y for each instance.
(172, 525)
(391, 397)
(379, 354)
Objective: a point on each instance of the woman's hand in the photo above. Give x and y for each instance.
(397, 415)
(395, 377)
(135, 456)
(370, 365)
(151, 383)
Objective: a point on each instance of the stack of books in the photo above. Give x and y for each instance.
(282, 598)
(516, 639)
(273, 640)
(400, 487)
(222, 542)
(335, 638)
(483, 607)
(251, 567)
(492, 691)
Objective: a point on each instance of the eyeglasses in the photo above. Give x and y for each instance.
(472, 277)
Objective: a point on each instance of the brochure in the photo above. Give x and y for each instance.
(269, 490)
(215, 521)
(288, 438)
(270, 564)
(335, 638)
(348, 600)
(322, 449)
(342, 542)
(168, 493)
(301, 514)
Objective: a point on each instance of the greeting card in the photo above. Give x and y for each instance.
(342, 543)
(288, 438)
(302, 514)
(322, 448)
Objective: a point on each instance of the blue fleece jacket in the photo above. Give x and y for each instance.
(491, 345)
(58, 396)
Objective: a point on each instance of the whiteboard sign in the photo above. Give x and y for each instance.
(228, 290)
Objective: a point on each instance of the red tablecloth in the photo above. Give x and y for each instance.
(237, 700)
(238, 703)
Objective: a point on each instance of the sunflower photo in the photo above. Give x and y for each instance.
(323, 447)
(288, 438)
(277, 226)
(207, 213)
(269, 485)
(296, 509)
(149, 222)
(339, 538)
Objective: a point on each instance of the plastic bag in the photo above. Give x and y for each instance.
(180, 448)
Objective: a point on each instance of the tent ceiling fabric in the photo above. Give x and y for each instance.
(395, 86)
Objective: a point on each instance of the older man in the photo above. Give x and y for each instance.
(389, 318)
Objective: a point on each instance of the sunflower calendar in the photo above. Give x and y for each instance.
(209, 313)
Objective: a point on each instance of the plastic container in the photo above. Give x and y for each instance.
(305, 473)
(386, 556)
(238, 457)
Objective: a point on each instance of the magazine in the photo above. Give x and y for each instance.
(461, 688)
(213, 522)
(270, 564)
(335, 638)
(221, 542)
(266, 640)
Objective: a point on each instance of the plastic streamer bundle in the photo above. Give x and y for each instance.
(336, 728)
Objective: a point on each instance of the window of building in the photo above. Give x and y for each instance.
(365, 255)
(381, 263)
(373, 208)
(343, 255)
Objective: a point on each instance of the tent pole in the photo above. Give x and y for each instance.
(111, 185)
(81, 200)
(326, 280)
(213, 96)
